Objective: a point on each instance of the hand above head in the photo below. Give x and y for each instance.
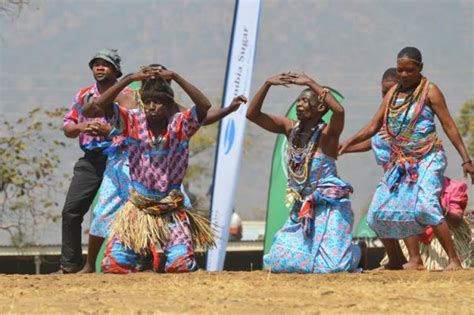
(236, 102)
(165, 74)
(145, 72)
(297, 78)
(279, 79)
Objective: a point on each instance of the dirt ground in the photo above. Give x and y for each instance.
(254, 292)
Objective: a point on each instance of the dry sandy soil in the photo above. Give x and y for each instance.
(240, 293)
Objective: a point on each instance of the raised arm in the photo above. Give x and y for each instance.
(363, 146)
(105, 100)
(272, 123)
(329, 142)
(217, 114)
(199, 99)
(371, 128)
(336, 125)
(439, 106)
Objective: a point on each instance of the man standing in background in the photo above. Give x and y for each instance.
(94, 136)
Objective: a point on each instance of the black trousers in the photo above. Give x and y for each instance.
(88, 173)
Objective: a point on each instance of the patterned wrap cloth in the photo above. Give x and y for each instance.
(381, 148)
(113, 193)
(157, 168)
(453, 201)
(317, 237)
(115, 187)
(407, 198)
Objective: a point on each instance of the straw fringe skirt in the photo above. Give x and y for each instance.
(143, 222)
(433, 254)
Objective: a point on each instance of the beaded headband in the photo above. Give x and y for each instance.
(411, 59)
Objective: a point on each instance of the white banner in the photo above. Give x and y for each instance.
(232, 128)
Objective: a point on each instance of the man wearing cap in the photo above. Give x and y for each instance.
(94, 136)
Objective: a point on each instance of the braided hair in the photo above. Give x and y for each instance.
(411, 53)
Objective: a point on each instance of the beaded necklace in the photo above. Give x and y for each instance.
(406, 145)
(299, 158)
(394, 110)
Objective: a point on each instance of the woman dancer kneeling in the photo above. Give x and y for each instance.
(317, 236)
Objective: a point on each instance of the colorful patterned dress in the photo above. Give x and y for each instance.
(157, 167)
(381, 148)
(317, 237)
(115, 187)
(406, 200)
(75, 116)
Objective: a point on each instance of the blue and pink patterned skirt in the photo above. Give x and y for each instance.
(326, 248)
(402, 207)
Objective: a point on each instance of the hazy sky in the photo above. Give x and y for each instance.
(344, 44)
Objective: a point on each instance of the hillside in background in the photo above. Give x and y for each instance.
(344, 44)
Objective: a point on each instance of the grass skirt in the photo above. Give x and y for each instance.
(143, 222)
(433, 254)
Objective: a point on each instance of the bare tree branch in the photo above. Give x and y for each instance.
(9, 7)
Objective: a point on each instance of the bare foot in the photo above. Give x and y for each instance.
(454, 265)
(414, 265)
(62, 271)
(58, 272)
(389, 266)
(87, 269)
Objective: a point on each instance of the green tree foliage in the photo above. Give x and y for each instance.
(28, 177)
(466, 124)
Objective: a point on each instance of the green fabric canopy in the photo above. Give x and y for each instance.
(135, 85)
(363, 229)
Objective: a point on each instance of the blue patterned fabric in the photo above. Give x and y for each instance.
(324, 245)
(114, 189)
(406, 200)
(381, 149)
(113, 193)
(178, 251)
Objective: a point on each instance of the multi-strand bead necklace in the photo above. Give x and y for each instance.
(299, 157)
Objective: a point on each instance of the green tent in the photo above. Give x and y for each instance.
(136, 85)
(363, 230)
